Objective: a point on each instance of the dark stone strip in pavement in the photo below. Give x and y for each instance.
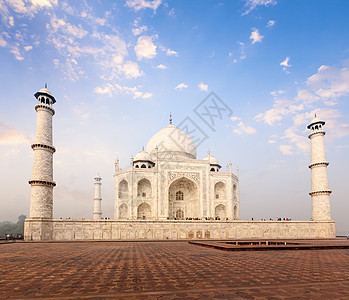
(268, 248)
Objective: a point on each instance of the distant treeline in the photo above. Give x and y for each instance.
(7, 227)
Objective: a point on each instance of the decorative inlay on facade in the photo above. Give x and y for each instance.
(190, 175)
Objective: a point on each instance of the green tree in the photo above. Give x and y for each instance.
(12, 228)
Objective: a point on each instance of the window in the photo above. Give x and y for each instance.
(143, 166)
(217, 196)
(137, 166)
(212, 169)
(179, 195)
(144, 194)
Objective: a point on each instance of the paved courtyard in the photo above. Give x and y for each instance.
(168, 270)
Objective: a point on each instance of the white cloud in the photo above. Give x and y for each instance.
(11, 21)
(270, 23)
(28, 48)
(277, 93)
(203, 87)
(131, 70)
(170, 52)
(300, 141)
(141, 4)
(181, 86)
(138, 29)
(252, 4)
(172, 13)
(318, 96)
(67, 28)
(235, 118)
(111, 89)
(285, 64)
(31, 7)
(256, 36)
(244, 129)
(161, 67)
(145, 48)
(286, 149)
(3, 43)
(56, 62)
(11, 136)
(17, 53)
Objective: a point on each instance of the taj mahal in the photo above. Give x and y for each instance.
(168, 193)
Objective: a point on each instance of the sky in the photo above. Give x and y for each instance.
(118, 68)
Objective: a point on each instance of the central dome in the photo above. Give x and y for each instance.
(171, 143)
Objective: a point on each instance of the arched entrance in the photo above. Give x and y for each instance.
(144, 188)
(144, 212)
(123, 211)
(123, 189)
(183, 199)
(220, 212)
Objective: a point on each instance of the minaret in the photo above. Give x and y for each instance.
(41, 200)
(320, 193)
(97, 207)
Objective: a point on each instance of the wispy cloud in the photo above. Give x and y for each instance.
(242, 128)
(12, 136)
(181, 86)
(170, 52)
(252, 4)
(112, 89)
(138, 29)
(285, 64)
(142, 4)
(203, 87)
(270, 23)
(286, 149)
(318, 96)
(255, 36)
(161, 67)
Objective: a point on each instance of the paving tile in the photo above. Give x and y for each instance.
(169, 270)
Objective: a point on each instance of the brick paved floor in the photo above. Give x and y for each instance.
(168, 270)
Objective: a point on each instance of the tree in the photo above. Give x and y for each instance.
(12, 228)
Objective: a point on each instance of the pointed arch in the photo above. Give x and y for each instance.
(123, 189)
(219, 190)
(144, 211)
(123, 211)
(183, 195)
(144, 188)
(220, 211)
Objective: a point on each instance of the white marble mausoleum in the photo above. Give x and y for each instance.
(168, 193)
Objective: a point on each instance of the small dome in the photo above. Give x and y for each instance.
(213, 160)
(45, 92)
(142, 156)
(316, 120)
(172, 143)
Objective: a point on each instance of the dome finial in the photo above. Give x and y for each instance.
(142, 148)
(170, 119)
(45, 85)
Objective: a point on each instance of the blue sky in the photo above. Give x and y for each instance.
(118, 68)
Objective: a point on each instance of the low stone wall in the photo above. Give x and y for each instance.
(67, 230)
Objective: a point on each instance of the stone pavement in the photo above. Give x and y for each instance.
(168, 270)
